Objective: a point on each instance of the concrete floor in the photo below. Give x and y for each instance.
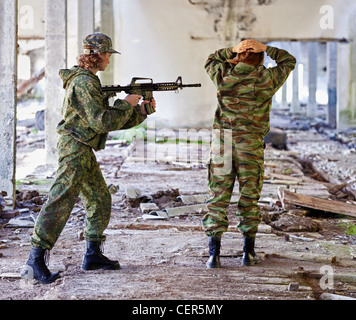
(165, 259)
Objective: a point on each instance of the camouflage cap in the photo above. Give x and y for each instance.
(96, 43)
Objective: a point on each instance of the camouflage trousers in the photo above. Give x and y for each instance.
(234, 157)
(78, 174)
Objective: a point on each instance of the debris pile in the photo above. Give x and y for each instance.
(164, 204)
(156, 221)
(24, 212)
(290, 222)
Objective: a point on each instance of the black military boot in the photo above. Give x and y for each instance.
(36, 268)
(249, 256)
(214, 252)
(94, 258)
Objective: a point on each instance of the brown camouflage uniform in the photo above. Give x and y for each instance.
(87, 119)
(241, 122)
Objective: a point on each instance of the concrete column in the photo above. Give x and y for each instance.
(107, 27)
(312, 79)
(269, 63)
(8, 83)
(344, 85)
(275, 104)
(86, 20)
(304, 62)
(352, 105)
(56, 59)
(72, 32)
(332, 83)
(295, 107)
(284, 102)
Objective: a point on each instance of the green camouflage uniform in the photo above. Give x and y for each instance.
(241, 122)
(87, 119)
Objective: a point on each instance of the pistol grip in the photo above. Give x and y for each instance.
(149, 108)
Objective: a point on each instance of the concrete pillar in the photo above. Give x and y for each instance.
(295, 106)
(275, 104)
(304, 62)
(152, 47)
(56, 59)
(86, 20)
(352, 105)
(284, 102)
(269, 63)
(312, 78)
(344, 85)
(332, 83)
(8, 76)
(107, 27)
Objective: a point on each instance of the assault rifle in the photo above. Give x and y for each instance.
(146, 88)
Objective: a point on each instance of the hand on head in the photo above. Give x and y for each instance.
(250, 45)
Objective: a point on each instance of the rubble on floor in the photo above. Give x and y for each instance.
(283, 168)
(155, 229)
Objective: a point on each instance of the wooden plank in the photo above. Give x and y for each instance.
(349, 278)
(316, 203)
(300, 179)
(195, 208)
(331, 296)
(262, 228)
(332, 180)
(319, 258)
(285, 182)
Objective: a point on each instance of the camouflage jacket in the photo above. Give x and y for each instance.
(245, 92)
(87, 117)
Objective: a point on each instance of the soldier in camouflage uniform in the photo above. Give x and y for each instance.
(245, 90)
(87, 119)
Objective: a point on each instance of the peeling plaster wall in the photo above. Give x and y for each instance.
(162, 39)
(232, 18)
(278, 19)
(31, 19)
(302, 19)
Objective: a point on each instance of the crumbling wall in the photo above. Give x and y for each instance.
(232, 17)
(278, 19)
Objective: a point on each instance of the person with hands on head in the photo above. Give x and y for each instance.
(87, 120)
(245, 88)
(250, 46)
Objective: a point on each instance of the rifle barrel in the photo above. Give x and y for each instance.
(195, 85)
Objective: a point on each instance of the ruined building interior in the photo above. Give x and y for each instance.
(156, 172)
